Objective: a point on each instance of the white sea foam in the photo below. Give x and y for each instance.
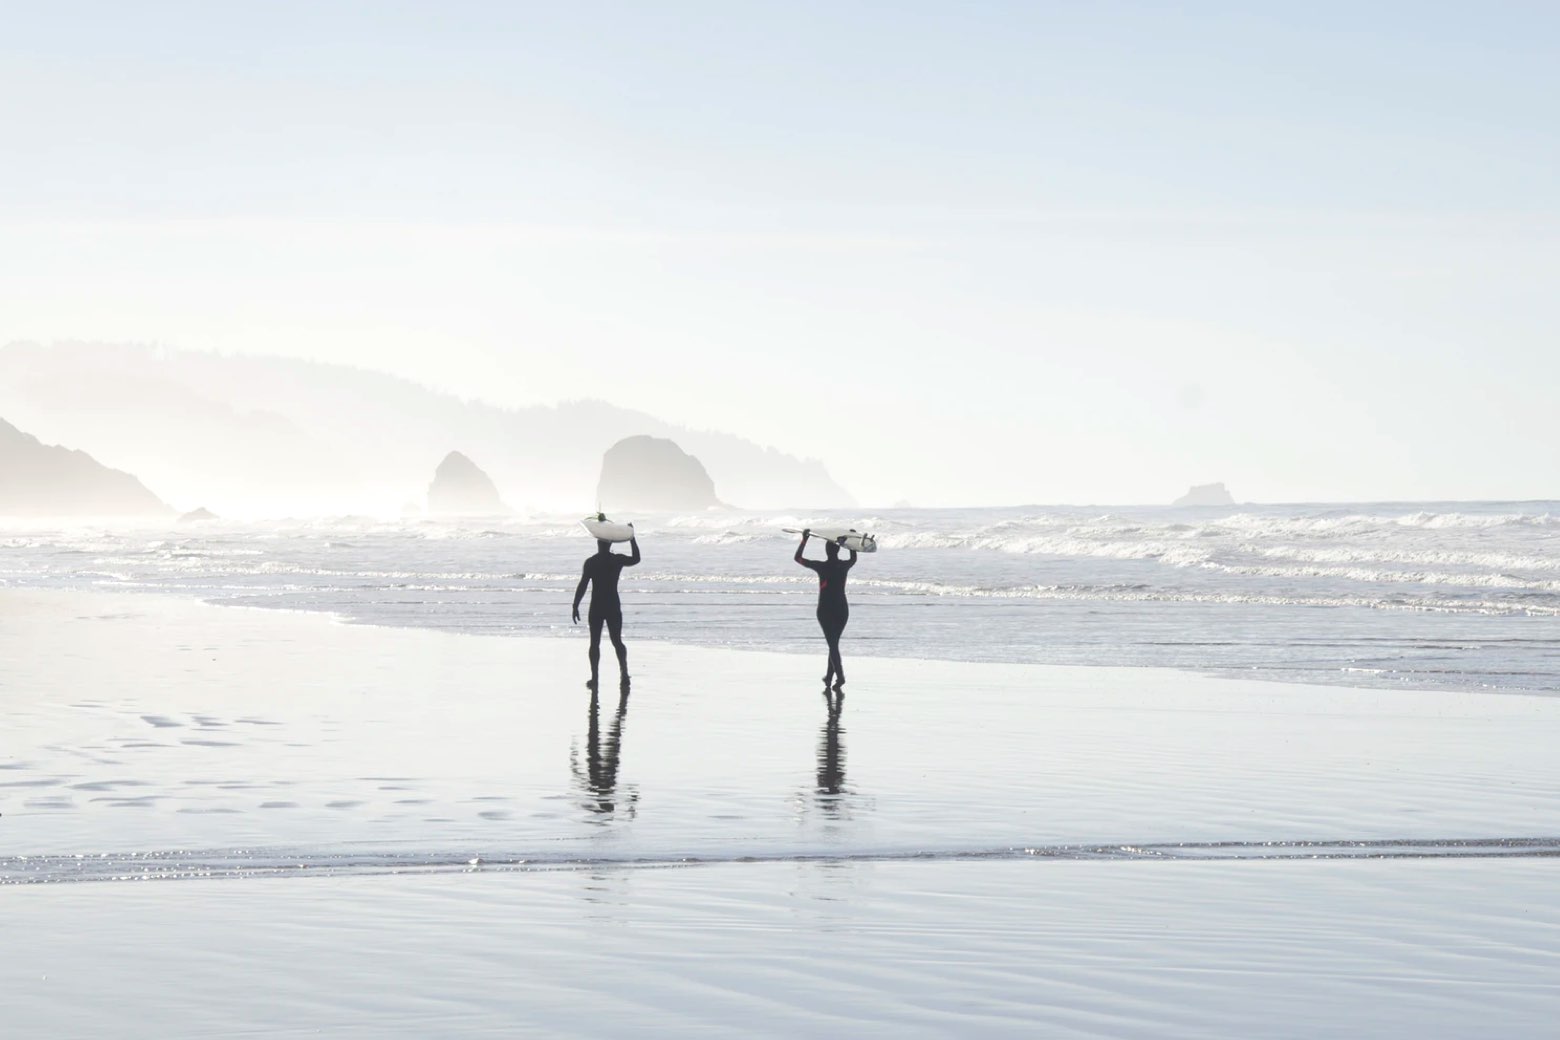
(1378, 586)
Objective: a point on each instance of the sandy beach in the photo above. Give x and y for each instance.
(244, 822)
(1148, 407)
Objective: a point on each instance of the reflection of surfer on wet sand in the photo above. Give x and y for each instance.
(831, 753)
(599, 773)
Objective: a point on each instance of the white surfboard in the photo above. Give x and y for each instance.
(848, 537)
(607, 530)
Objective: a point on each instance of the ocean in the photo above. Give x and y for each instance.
(1462, 596)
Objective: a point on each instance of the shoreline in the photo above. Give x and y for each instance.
(864, 651)
(254, 864)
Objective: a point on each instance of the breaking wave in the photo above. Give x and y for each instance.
(1377, 584)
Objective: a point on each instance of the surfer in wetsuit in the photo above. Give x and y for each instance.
(601, 572)
(833, 610)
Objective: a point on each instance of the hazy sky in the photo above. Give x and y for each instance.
(964, 252)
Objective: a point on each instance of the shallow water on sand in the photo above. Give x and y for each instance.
(192, 740)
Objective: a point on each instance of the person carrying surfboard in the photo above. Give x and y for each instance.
(833, 610)
(601, 573)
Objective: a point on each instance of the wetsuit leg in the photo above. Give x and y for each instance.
(615, 632)
(832, 618)
(595, 647)
(839, 662)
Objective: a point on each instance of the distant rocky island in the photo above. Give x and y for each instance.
(1206, 495)
(38, 479)
(460, 488)
(653, 473)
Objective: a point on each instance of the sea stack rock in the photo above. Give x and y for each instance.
(46, 480)
(459, 488)
(197, 516)
(1206, 495)
(653, 473)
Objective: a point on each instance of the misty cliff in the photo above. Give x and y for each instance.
(460, 488)
(39, 479)
(653, 473)
(261, 433)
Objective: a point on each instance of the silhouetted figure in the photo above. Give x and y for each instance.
(601, 573)
(602, 758)
(833, 610)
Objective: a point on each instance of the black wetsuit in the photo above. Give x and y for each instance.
(833, 609)
(601, 573)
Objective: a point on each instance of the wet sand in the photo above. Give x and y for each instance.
(387, 832)
(925, 949)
